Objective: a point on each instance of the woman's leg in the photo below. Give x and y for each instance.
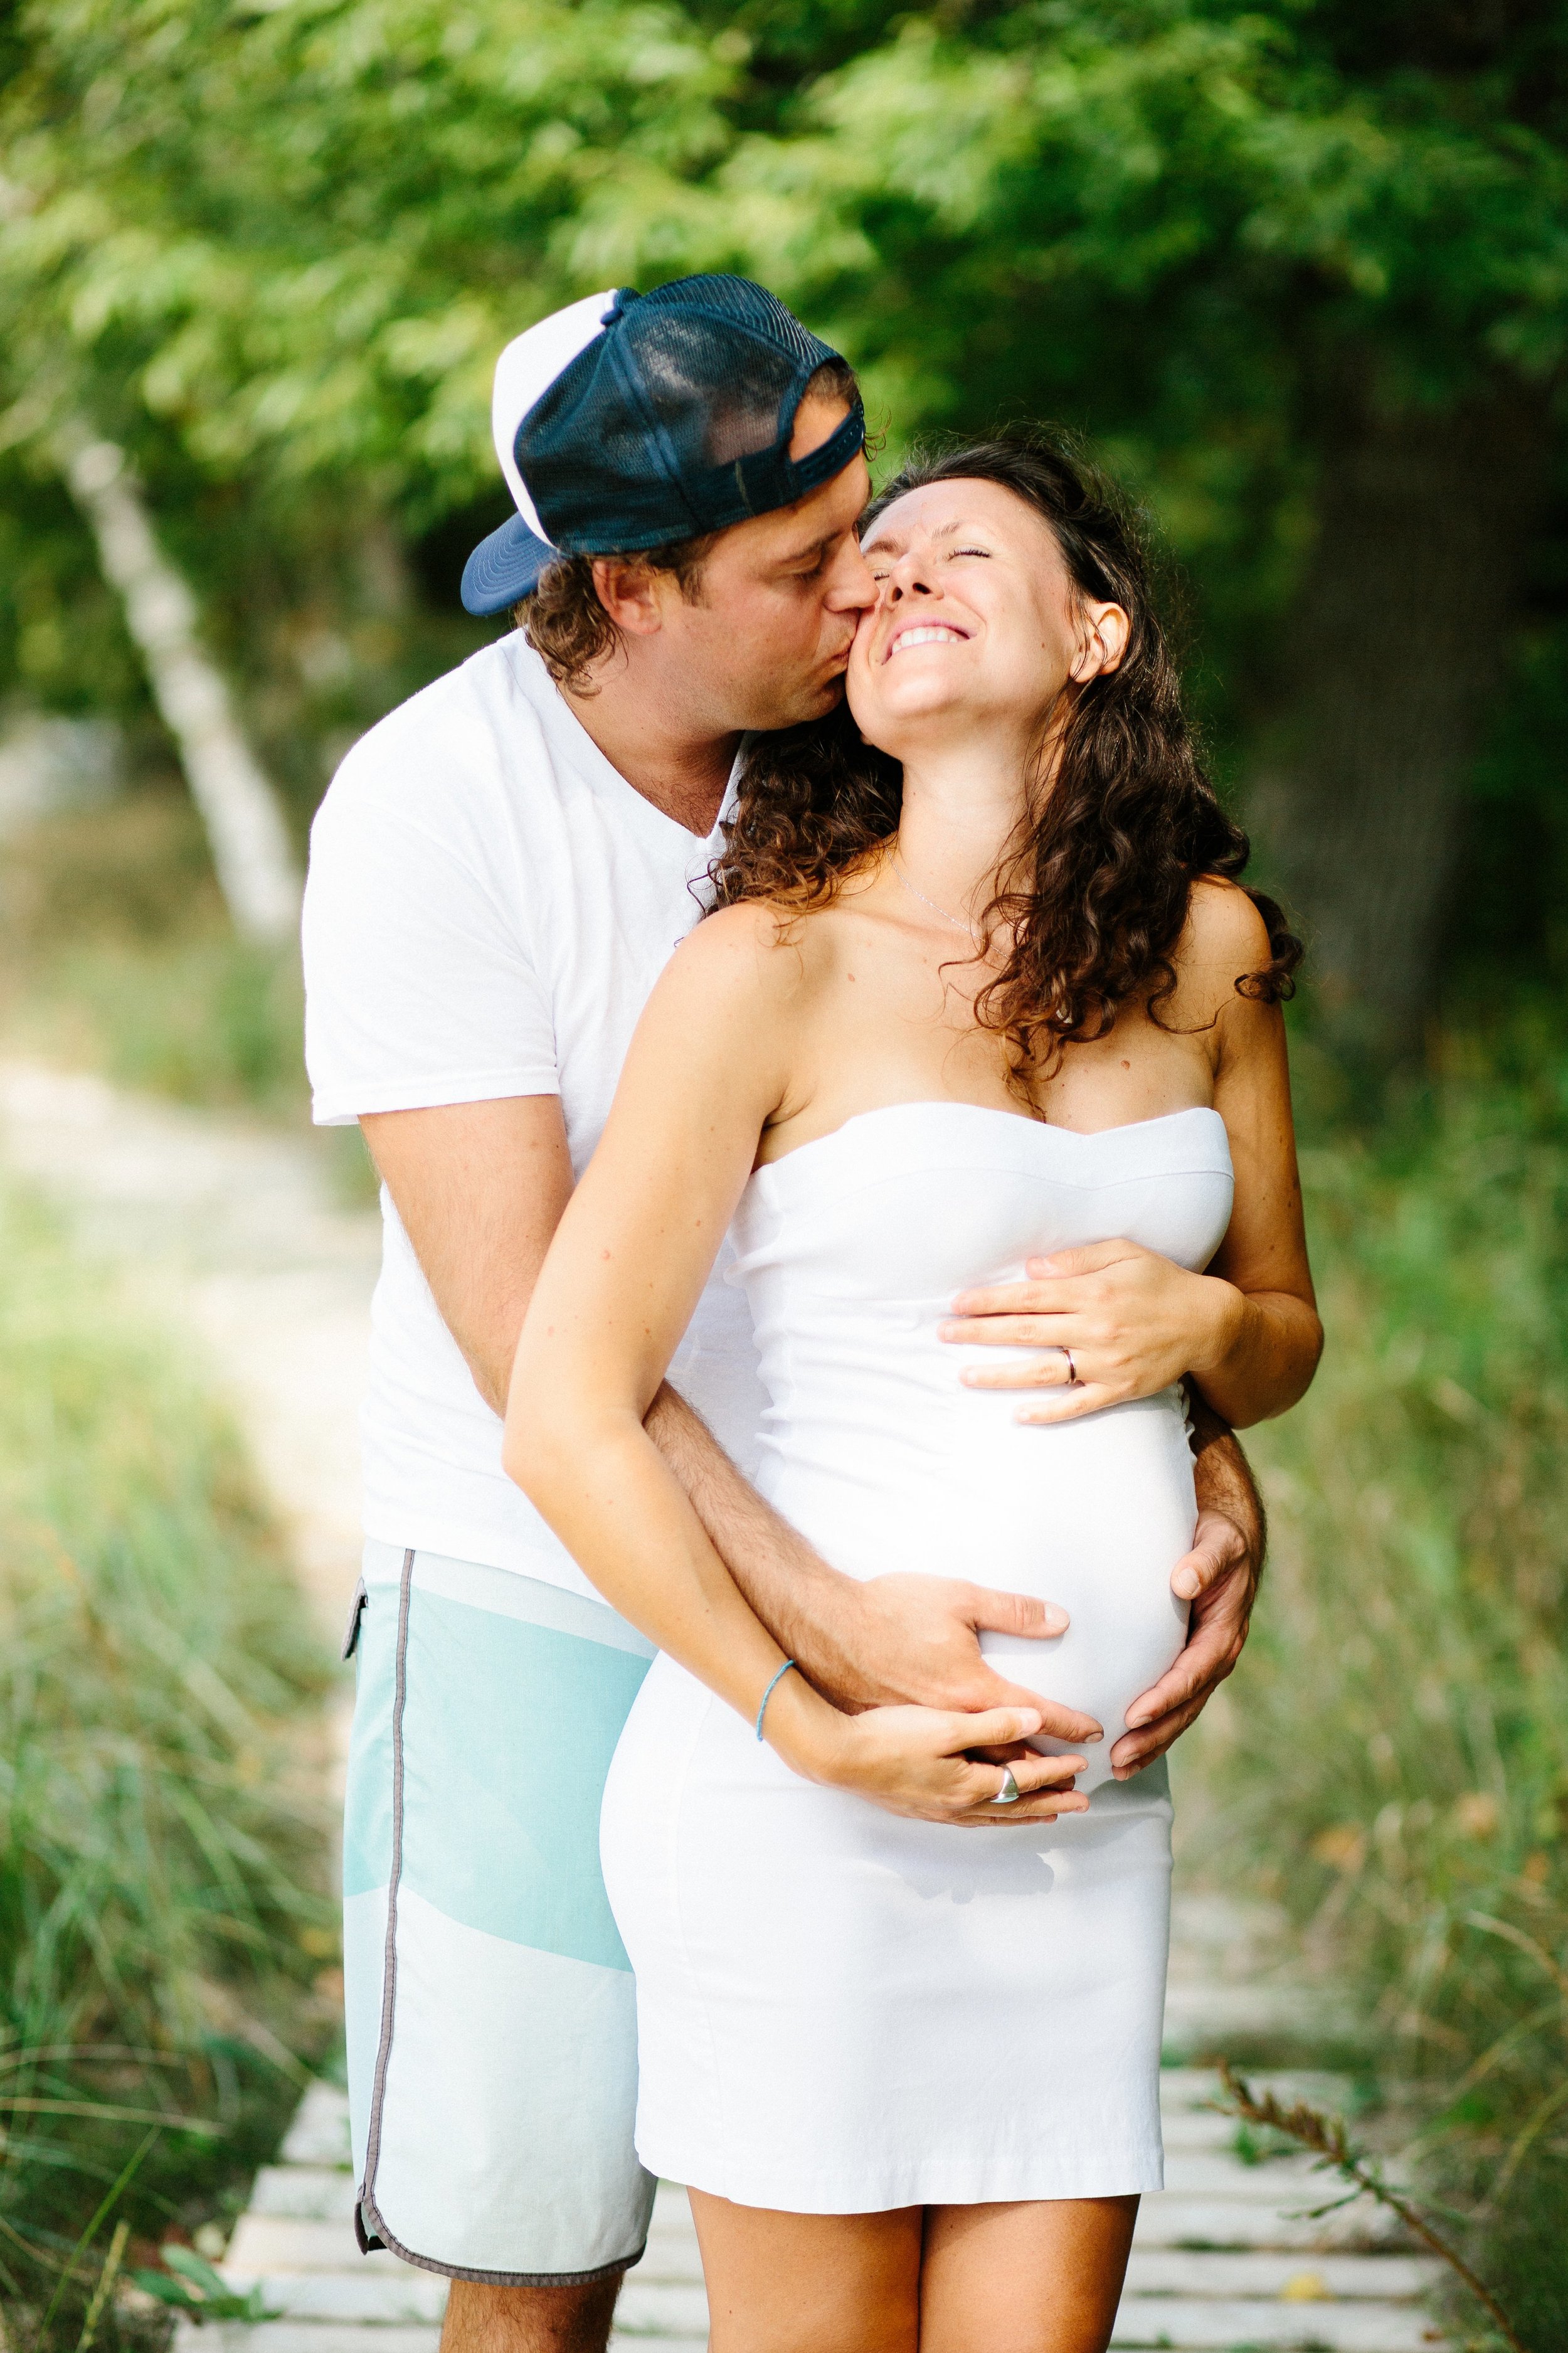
(1044, 2277)
(809, 2283)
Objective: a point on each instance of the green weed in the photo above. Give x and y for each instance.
(1392, 1761)
(161, 1851)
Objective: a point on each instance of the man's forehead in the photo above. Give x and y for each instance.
(823, 517)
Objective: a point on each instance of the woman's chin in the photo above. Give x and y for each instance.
(899, 720)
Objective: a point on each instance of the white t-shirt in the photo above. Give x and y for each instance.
(489, 904)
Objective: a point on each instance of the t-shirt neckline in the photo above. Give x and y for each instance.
(604, 771)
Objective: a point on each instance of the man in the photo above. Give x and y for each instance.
(498, 874)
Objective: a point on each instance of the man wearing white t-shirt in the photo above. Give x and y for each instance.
(498, 874)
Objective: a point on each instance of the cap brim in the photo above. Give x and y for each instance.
(504, 568)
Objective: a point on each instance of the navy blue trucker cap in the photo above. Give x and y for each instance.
(627, 421)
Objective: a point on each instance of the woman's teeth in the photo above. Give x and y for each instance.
(929, 633)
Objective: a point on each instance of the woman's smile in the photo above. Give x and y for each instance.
(924, 633)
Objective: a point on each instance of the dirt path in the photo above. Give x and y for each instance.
(231, 1231)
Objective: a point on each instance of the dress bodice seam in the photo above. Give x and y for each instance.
(990, 1111)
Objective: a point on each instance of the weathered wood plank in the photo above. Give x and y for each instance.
(1226, 2256)
(320, 2132)
(316, 2193)
(646, 2310)
(1167, 2221)
(1233, 2272)
(1220, 2327)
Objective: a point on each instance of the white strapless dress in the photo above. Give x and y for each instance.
(840, 2012)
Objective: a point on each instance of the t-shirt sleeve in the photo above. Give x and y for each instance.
(420, 986)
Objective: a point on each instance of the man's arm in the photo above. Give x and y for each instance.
(480, 1188)
(1219, 1578)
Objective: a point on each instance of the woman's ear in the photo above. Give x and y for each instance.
(1105, 631)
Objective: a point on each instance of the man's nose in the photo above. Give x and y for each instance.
(853, 588)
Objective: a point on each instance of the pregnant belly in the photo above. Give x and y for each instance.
(1093, 1515)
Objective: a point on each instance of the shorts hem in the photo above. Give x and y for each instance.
(377, 2222)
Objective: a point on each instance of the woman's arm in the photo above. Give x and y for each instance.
(1246, 1330)
(1266, 1338)
(708, 1067)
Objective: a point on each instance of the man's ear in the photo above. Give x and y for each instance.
(628, 591)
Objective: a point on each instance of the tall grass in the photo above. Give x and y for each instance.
(1392, 1760)
(116, 953)
(162, 1853)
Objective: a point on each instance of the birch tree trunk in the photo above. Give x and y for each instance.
(1398, 647)
(251, 852)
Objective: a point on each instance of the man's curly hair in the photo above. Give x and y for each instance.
(567, 626)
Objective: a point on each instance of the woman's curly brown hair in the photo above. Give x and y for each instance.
(1095, 899)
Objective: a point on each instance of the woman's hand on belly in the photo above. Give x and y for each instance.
(931, 1764)
(907, 1638)
(1116, 1321)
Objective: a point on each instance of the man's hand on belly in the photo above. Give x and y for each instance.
(1226, 1573)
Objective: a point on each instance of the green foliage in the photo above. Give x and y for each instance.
(305, 232)
(1394, 1757)
(275, 249)
(162, 1849)
(294, 238)
(195, 2290)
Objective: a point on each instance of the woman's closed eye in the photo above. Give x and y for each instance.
(880, 576)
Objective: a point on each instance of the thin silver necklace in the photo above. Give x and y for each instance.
(956, 920)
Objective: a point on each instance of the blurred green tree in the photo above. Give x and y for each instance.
(1306, 267)
(1300, 269)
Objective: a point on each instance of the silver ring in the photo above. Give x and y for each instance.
(1009, 1793)
(1072, 1369)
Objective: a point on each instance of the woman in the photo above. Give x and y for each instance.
(971, 993)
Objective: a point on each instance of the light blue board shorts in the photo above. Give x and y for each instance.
(491, 2019)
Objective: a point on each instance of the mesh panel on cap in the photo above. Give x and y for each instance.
(729, 368)
(675, 422)
(727, 399)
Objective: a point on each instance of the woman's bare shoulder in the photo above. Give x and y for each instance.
(755, 952)
(1224, 928)
(1224, 941)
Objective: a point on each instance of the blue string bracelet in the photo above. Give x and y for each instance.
(769, 1692)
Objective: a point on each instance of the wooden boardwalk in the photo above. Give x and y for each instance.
(1226, 2259)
